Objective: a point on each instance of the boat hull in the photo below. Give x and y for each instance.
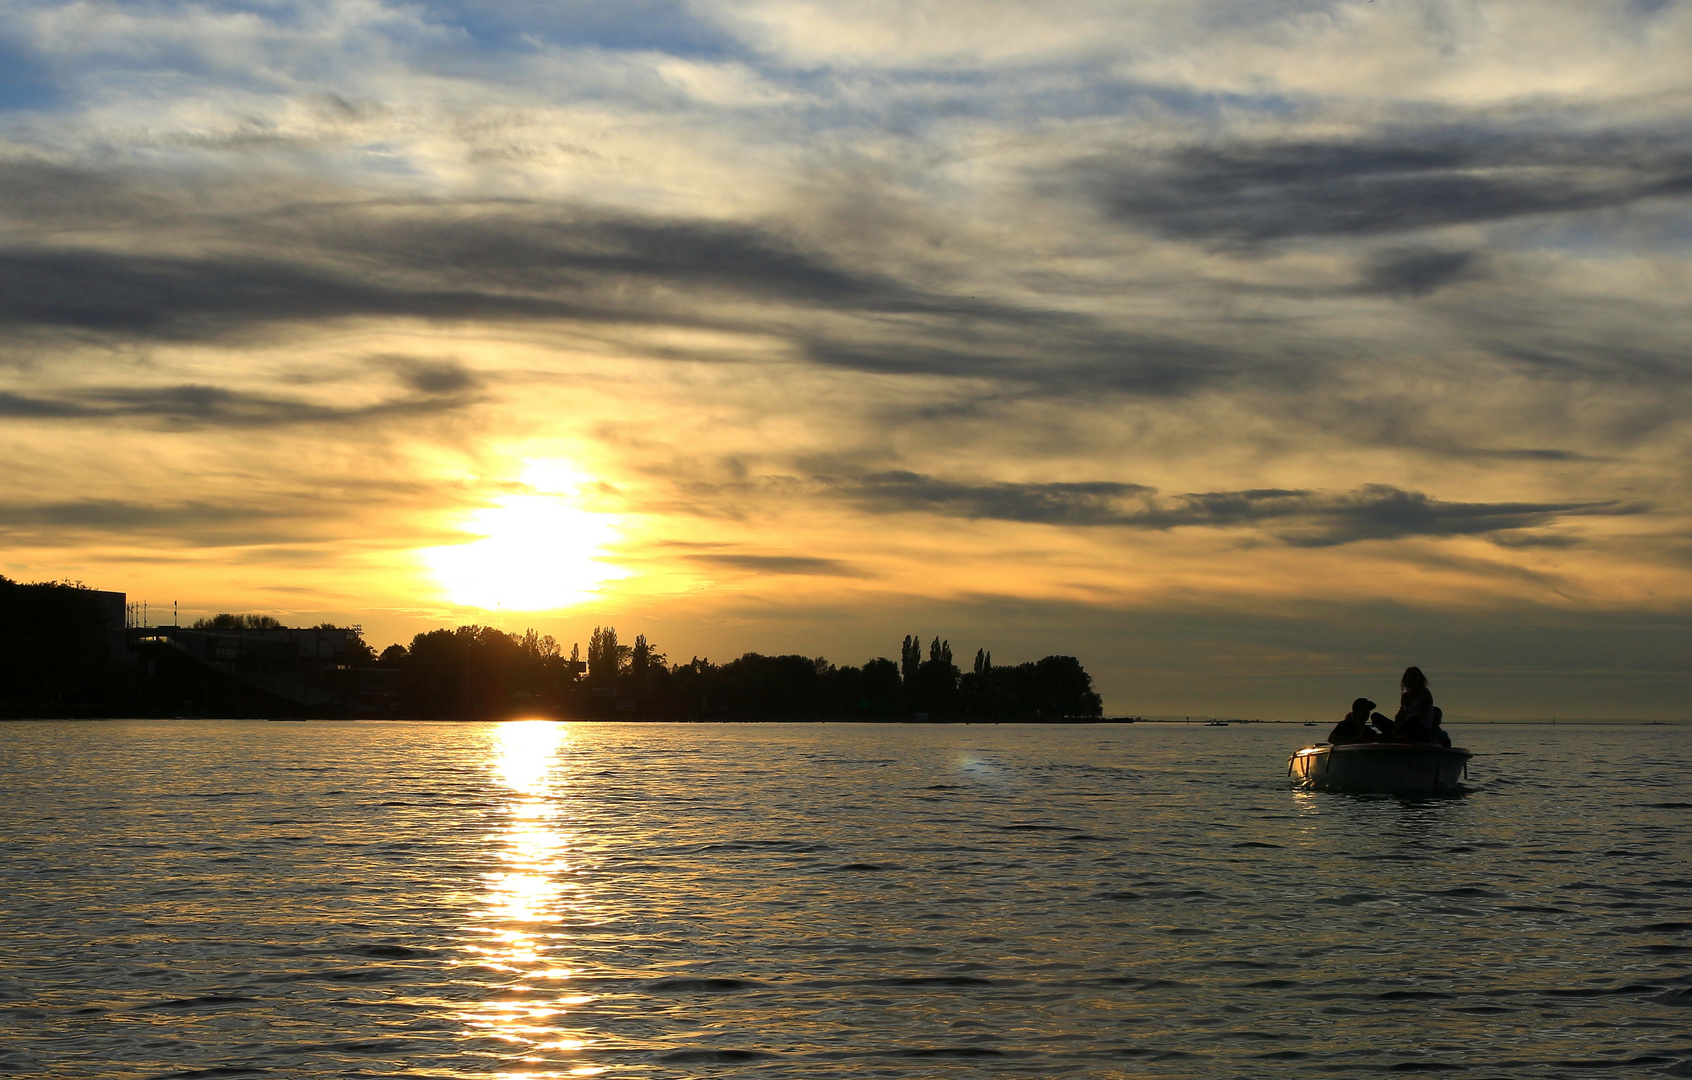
(1379, 767)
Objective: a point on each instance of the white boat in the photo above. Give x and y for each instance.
(1381, 767)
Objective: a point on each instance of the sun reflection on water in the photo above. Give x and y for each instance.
(517, 930)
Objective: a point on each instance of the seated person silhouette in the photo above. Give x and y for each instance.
(1417, 718)
(1440, 736)
(1355, 727)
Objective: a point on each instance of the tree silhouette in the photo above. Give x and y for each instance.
(877, 689)
(481, 671)
(910, 657)
(230, 622)
(643, 658)
(933, 688)
(606, 658)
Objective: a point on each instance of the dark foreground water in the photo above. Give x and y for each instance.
(538, 900)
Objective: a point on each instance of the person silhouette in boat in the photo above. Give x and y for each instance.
(1417, 721)
(1354, 727)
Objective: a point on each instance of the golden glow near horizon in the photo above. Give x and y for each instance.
(536, 551)
(525, 900)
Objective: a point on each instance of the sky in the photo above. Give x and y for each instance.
(1248, 351)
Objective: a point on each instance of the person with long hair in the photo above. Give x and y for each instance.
(1417, 717)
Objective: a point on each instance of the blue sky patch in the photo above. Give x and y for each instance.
(631, 25)
(25, 81)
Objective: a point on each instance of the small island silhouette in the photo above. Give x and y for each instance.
(69, 650)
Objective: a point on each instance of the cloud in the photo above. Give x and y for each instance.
(36, 193)
(117, 515)
(779, 564)
(19, 407)
(1384, 181)
(564, 245)
(559, 263)
(1090, 503)
(1298, 518)
(435, 378)
(1647, 9)
(180, 297)
(1055, 354)
(1382, 512)
(231, 273)
(1535, 540)
(1418, 271)
(1529, 454)
(553, 262)
(192, 405)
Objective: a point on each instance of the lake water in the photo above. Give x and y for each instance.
(306, 900)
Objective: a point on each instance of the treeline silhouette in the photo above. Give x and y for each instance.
(65, 651)
(478, 671)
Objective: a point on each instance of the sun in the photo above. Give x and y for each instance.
(536, 550)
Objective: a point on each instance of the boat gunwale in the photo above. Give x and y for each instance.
(1324, 748)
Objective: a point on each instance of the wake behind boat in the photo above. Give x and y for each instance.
(1379, 767)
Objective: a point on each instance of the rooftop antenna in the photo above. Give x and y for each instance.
(173, 613)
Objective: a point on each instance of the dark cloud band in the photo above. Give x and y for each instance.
(197, 405)
(779, 564)
(1298, 518)
(1384, 182)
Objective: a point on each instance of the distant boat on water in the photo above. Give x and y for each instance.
(1217, 723)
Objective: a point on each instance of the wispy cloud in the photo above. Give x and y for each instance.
(1298, 518)
(804, 565)
(197, 405)
(116, 515)
(427, 260)
(1090, 503)
(1418, 271)
(1386, 181)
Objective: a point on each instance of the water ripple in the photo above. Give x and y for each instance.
(234, 899)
